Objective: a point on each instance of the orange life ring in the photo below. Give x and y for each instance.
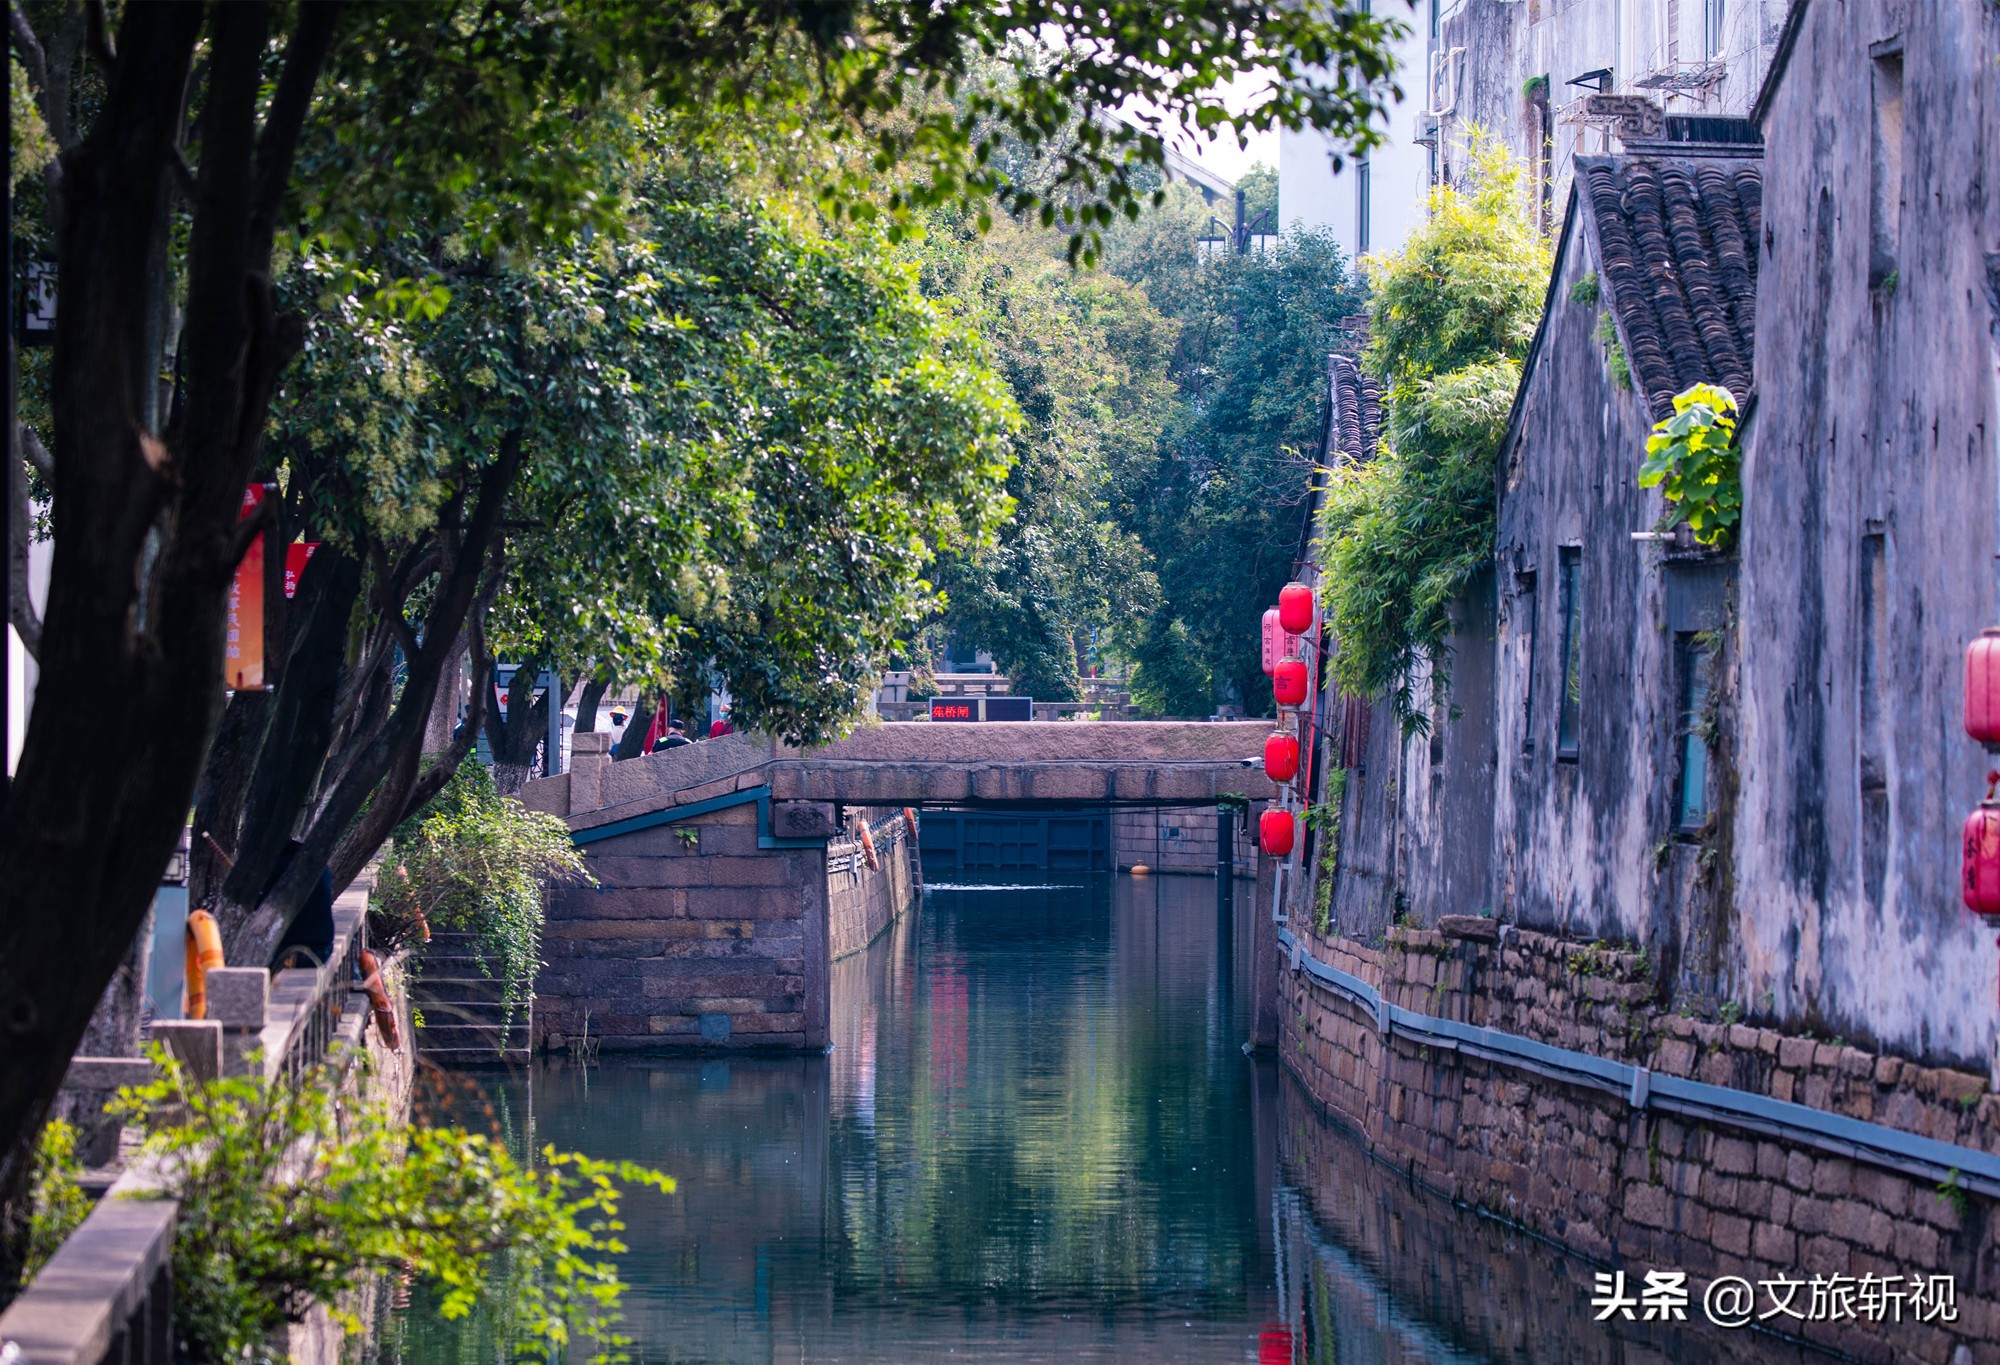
(204, 954)
(868, 849)
(378, 999)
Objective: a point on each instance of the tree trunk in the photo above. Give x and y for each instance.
(632, 743)
(444, 711)
(145, 527)
(515, 735)
(587, 703)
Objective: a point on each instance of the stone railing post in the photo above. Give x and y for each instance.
(239, 999)
(195, 1043)
(588, 755)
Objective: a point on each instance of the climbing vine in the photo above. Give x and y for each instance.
(1401, 535)
(1325, 817)
(57, 1204)
(478, 862)
(1693, 458)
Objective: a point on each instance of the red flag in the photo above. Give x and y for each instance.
(657, 731)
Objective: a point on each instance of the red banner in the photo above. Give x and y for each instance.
(243, 648)
(296, 555)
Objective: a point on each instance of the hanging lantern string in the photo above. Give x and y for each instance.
(1992, 782)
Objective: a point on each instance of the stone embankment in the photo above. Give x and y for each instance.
(862, 901)
(1625, 1183)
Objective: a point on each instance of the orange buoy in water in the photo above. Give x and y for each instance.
(204, 955)
(1141, 870)
(378, 999)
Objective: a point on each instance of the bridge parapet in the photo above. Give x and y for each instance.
(1128, 763)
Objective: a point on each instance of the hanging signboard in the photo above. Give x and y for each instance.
(296, 555)
(982, 708)
(243, 647)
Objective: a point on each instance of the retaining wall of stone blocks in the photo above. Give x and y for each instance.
(1636, 1187)
(695, 937)
(1178, 839)
(863, 901)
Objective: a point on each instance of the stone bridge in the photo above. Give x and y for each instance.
(709, 925)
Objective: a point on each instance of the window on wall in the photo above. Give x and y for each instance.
(1886, 167)
(1694, 660)
(1569, 706)
(1524, 583)
(1712, 15)
(1874, 709)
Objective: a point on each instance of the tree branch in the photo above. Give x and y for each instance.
(37, 453)
(390, 602)
(30, 48)
(20, 605)
(247, 531)
(278, 144)
(98, 36)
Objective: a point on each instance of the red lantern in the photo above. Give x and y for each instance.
(1281, 758)
(1274, 832)
(1288, 681)
(1982, 688)
(1982, 860)
(1274, 640)
(1295, 607)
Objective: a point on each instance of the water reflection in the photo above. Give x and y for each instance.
(1036, 1138)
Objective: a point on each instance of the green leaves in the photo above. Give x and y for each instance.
(297, 1191)
(1401, 536)
(1693, 459)
(56, 1202)
(478, 862)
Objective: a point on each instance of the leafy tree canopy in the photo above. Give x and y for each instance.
(1451, 317)
(1223, 513)
(1084, 357)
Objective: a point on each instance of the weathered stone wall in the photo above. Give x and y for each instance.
(1439, 1271)
(1639, 1187)
(861, 902)
(1586, 843)
(695, 937)
(1179, 839)
(1869, 533)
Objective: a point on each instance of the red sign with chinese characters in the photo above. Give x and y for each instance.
(948, 708)
(243, 648)
(296, 555)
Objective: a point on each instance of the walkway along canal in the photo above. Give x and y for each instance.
(1038, 1137)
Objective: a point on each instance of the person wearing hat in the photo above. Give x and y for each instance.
(676, 737)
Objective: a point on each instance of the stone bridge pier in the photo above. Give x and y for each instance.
(709, 925)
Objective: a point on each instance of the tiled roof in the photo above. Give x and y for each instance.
(1677, 252)
(1357, 414)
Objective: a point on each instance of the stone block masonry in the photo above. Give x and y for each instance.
(1179, 839)
(864, 901)
(1636, 1187)
(695, 937)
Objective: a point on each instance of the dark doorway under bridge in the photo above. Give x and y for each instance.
(954, 843)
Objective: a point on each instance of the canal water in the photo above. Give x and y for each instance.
(1037, 1138)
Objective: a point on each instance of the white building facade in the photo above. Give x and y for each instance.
(1533, 73)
